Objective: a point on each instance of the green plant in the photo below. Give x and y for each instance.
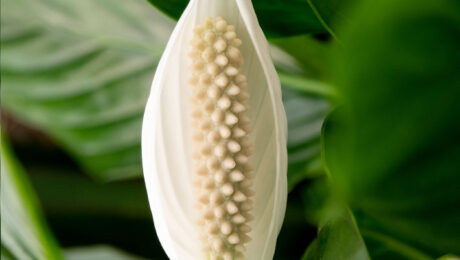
(379, 178)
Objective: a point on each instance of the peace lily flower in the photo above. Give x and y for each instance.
(214, 137)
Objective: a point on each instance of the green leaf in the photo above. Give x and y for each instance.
(98, 252)
(24, 231)
(307, 86)
(81, 72)
(292, 16)
(305, 114)
(393, 148)
(338, 238)
(311, 54)
(332, 13)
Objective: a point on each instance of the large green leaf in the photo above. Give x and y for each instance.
(292, 16)
(81, 72)
(393, 147)
(24, 231)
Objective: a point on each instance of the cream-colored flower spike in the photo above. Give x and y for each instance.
(214, 137)
(223, 183)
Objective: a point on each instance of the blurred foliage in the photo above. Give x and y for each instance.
(338, 238)
(384, 187)
(98, 253)
(25, 234)
(24, 231)
(393, 146)
(332, 13)
(313, 57)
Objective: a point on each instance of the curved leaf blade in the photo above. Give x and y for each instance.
(24, 231)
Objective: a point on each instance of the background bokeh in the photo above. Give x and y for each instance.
(371, 91)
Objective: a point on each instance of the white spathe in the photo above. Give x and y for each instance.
(167, 145)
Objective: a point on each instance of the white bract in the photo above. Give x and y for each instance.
(214, 137)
